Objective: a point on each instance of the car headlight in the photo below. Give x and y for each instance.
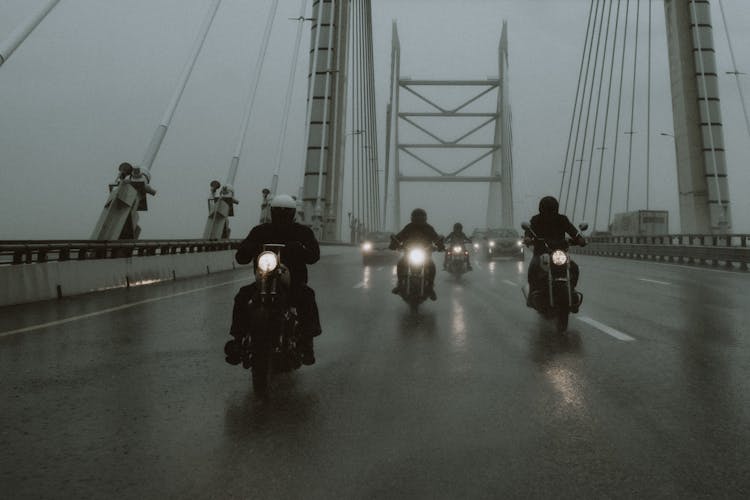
(366, 246)
(559, 257)
(417, 256)
(267, 262)
(476, 245)
(457, 249)
(492, 243)
(520, 243)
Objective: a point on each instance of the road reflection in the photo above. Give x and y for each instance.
(421, 322)
(458, 324)
(558, 356)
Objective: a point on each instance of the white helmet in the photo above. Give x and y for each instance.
(283, 201)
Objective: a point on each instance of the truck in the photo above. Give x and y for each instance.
(640, 223)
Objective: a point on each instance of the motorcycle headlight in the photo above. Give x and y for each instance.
(520, 243)
(559, 257)
(476, 245)
(267, 262)
(366, 246)
(456, 249)
(492, 243)
(417, 256)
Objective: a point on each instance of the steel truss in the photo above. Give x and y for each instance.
(500, 204)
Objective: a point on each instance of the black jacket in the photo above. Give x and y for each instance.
(458, 238)
(295, 256)
(418, 233)
(551, 228)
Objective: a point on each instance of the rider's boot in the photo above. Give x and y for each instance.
(306, 349)
(577, 300)
(431, 290)
(233, 351)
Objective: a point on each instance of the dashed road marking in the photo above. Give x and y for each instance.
(359, 285)
(607, 329)
(655, 281)
(511, 283)
(114, 309)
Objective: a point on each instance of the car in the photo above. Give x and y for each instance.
(375, 247)
(499, 242)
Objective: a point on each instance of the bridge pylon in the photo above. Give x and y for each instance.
(699, 138)
(500, 178)
(324, 172)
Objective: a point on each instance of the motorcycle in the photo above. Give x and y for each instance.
(271, 346)
(413, 287)
(457, 256)
(557, 299)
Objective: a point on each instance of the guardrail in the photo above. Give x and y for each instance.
(31, 252)
(702, 249)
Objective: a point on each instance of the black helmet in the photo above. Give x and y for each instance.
(458, 227)
(548, 205)
(419, 216)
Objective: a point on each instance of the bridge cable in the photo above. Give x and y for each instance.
(632, 106)
(606, 115)
(596, 113)
(619, 106)
(583, 99)
(735, 72)
(373, 116)
(575, 103)
(588, 115)
(251, 98)
(648, 112)
(288, 98)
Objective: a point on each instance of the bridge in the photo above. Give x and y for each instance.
(114, 382)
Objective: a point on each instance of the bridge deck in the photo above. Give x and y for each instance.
(647, 395)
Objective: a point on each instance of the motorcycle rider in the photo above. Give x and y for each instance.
(457, 237)
(550, 225)
(419, 232)
(301, 249)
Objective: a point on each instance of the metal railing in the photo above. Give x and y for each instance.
(702, 249)
(38, 251)
(31, 252)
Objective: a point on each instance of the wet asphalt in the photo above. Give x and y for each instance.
(473, 396)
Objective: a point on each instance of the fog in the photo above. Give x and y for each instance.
(88, 87)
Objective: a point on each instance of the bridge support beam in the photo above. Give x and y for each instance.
(323, 182)
(500, 200)
(699, 137)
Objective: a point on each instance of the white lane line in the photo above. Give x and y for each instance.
(359, 285)
(607, 329)
(380, 268)
(113, 309)
(655, 281)
(511, 283)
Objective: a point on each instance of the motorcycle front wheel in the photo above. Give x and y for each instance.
(262, 351)
(562, 320)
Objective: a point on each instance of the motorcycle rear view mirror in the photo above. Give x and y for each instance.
(583, 226)
(525, 225)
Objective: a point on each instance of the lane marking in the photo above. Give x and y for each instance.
(655, 281)
(359, 285)
(607, 329)
(511, 283)
(113, 309)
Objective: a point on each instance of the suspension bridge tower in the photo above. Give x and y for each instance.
(699, 137)
(500, 178)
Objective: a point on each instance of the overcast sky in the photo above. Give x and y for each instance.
(86, 90)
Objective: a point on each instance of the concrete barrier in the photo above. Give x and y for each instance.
(33, 282)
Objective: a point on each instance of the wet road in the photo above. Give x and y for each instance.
(474, 396)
